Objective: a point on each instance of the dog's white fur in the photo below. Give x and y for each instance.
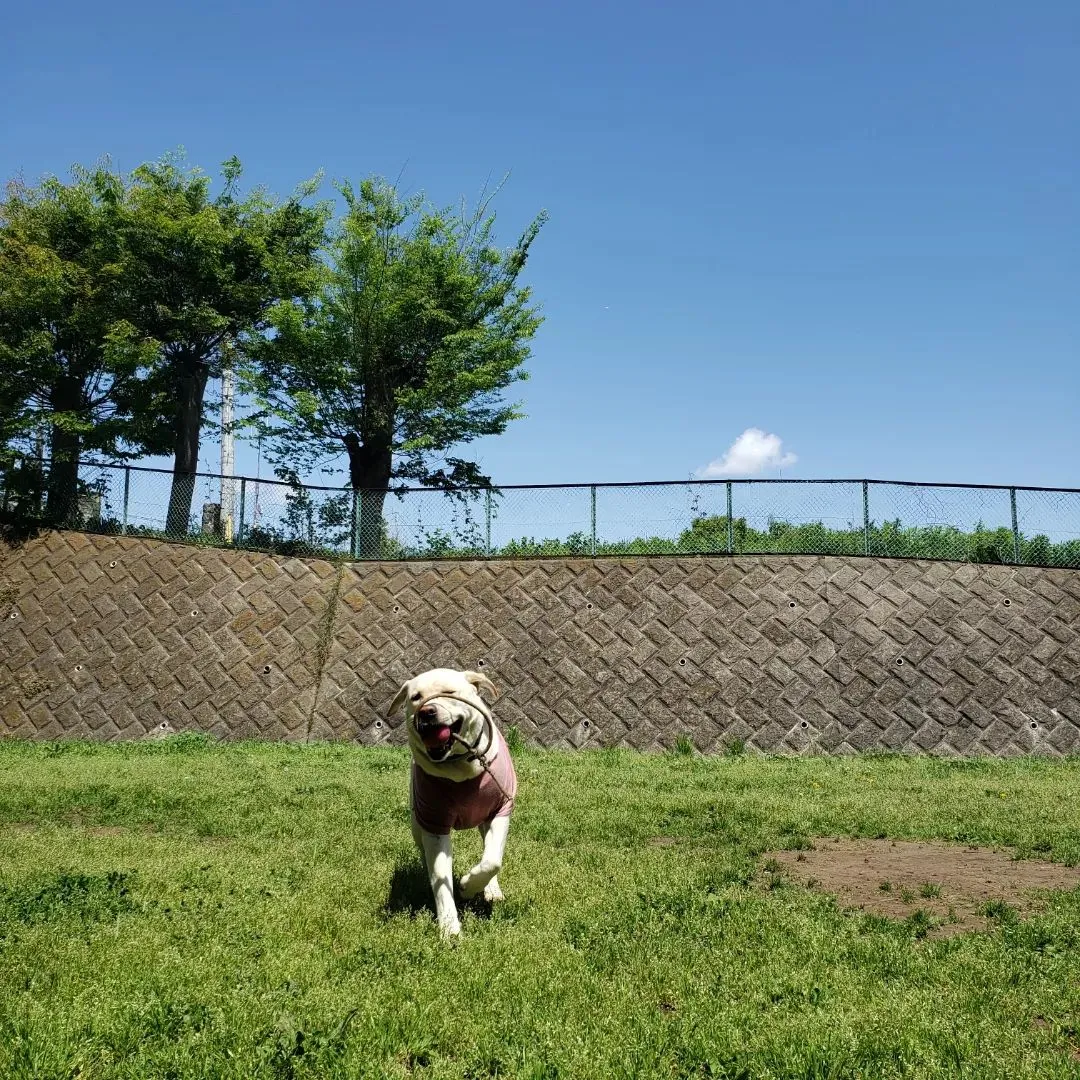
(469, 708)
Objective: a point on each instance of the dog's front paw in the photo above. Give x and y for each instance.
(478, 880)
(493, 893)
(450, 929)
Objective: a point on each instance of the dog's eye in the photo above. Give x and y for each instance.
(416, 696)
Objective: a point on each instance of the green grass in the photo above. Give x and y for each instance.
(190, 910)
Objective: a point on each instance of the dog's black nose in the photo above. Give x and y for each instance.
(428, 712)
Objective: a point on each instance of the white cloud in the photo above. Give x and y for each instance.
(749, 455)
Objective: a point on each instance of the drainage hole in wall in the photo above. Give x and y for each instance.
(193, 614)
(1033, 725)
(378, 724)
(899, 661)
(804, 724)
(791, 603)
(589, 606)
(266, 670)
(682, 663)
(1007, 603)
(396, 609)
(479, 663)
(13, 615)
(585, 724)
(78, 667)
(112, 564)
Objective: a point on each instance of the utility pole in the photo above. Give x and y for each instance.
(228, 456)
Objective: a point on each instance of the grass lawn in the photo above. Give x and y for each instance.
(183, 909)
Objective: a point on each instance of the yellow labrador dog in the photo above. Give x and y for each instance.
(462, 778)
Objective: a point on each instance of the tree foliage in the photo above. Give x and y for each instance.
(122, 296)
(72, 360)
(210, 270)
(419, 325)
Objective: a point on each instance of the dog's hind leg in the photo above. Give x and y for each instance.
(483, 877)
(492, 892)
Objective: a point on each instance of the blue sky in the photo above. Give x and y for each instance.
(851, 226)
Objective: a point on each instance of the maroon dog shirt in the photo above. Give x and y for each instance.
(442, 806)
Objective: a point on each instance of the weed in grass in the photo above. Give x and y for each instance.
(51, 896)
(885, 886)
(1000, 911)
(683, 747)
(929, 891)
(920, 922)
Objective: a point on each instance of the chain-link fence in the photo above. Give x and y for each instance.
(1009, 525)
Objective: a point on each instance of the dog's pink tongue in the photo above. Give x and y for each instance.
(439, 736)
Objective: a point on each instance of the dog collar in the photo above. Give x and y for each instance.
(487, 732)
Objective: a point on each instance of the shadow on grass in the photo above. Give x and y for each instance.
(410, 893)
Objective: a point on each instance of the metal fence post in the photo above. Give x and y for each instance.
(592, 543)
(240, 523)
(9, 477)
(487, 523)
(354, 544)
(730, 524)
(127, 492)
(1015, 528)
(41, 475)
(866, 517)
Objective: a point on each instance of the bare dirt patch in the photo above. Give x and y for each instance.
(953, 886)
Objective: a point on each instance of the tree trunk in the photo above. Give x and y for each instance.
(65, 448)
(189, 407)
(370, 464)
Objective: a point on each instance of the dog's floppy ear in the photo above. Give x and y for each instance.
(478, 679)
(399, 700)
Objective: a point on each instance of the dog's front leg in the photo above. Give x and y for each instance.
(440, 867)
(483, 874)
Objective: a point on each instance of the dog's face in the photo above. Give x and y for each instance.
(444, 712)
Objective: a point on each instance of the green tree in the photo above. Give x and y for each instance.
(710, 534)
(419, 325)
(210, 270)
(71, 361)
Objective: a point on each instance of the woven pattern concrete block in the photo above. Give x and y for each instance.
(108, 638)
(788, 654)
